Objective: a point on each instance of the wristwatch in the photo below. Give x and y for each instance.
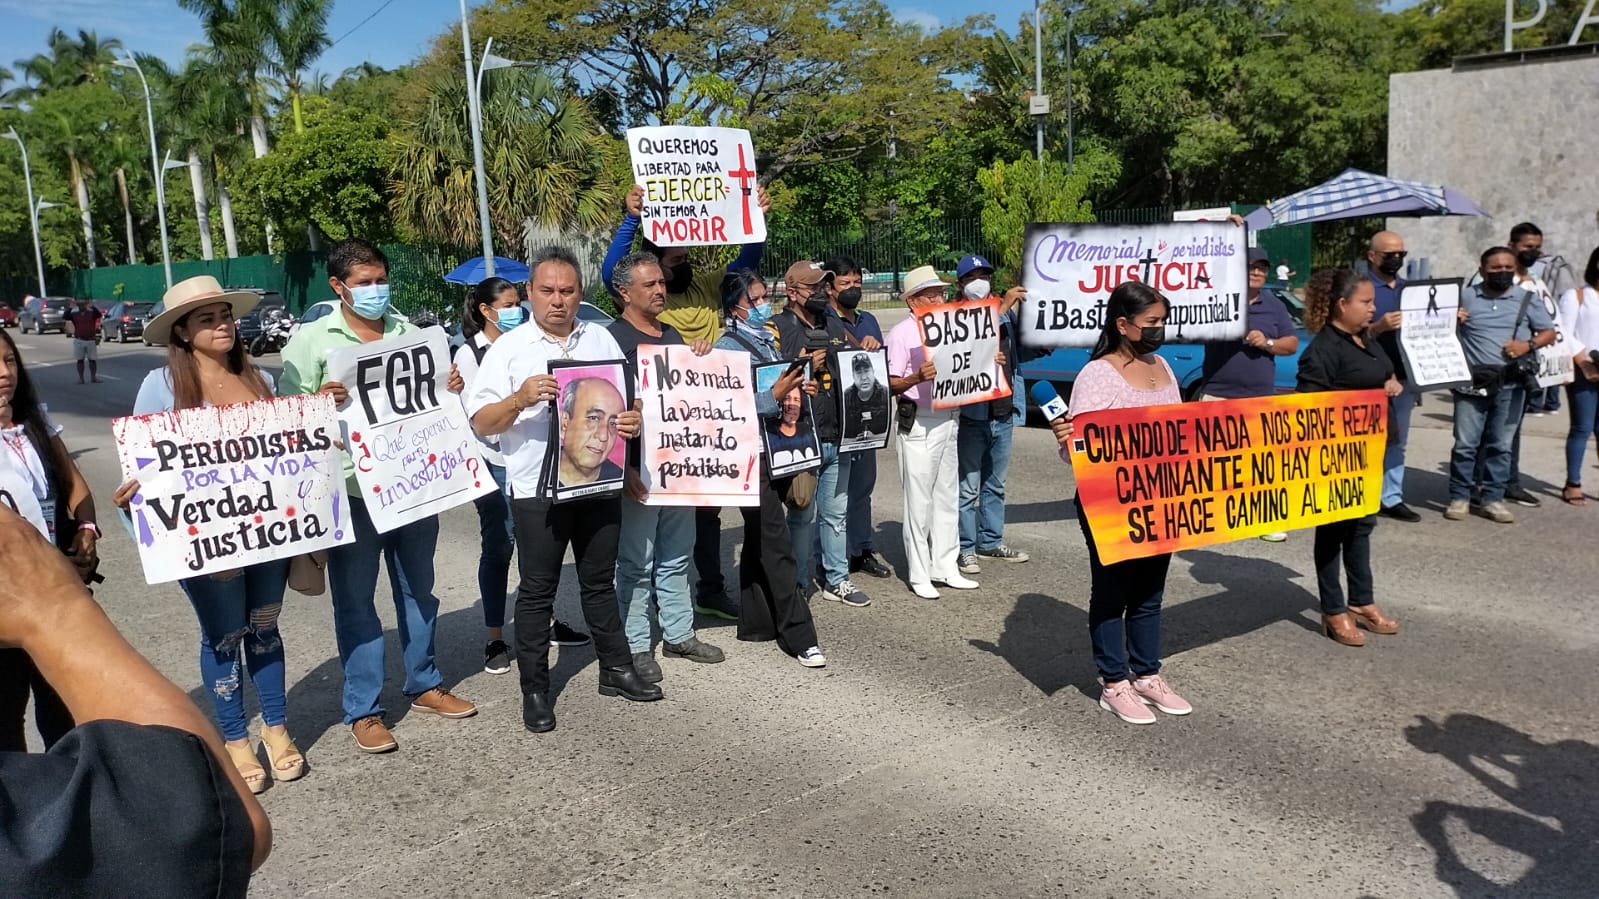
(1270, 344)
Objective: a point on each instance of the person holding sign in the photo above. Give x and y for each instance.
(1339, 305)
(37, 474)
(359, 273)
(1385, 260)
(655, 541)
(928, 449)
(863, 333)
(1579, 308)
(1124, 598)
(514, 397)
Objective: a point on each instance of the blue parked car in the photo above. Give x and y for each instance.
(1060, 367)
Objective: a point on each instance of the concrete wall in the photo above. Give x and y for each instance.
(1520, 140)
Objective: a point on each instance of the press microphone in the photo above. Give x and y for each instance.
(1048, 401)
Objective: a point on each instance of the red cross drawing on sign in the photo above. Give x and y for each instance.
(743, 175)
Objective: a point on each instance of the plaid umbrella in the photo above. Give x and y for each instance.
(1355, 194)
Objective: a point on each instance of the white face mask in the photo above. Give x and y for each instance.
(977, 290)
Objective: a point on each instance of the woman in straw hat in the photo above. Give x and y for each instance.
(238, 610)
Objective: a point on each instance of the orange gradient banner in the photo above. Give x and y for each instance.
(1160, 479)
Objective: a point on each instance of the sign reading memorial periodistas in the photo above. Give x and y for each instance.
(1158, 479)
(701, 441)
(700, 186)
(414, 451)
(1428, 335)
(962, 340)
(223, 487)
(1070, 269)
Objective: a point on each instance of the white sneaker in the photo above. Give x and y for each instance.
(957, 582)
(925, 591)
(1457, 510)
(812, 658)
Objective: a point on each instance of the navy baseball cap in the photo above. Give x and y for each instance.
(971, 263)
(1258, 256)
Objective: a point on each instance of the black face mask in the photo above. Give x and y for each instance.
(679, 277)
(816, 303)
(1391, 265)
(849, 298)
(1499, 282)
(1526, 258)
(1150, 339)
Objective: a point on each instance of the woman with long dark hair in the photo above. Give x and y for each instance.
(1579, 312)
(37, 474)
(237, 610)
(1124, 598)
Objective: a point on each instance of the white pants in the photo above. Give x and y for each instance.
(929, 464)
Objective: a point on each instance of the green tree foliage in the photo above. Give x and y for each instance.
(1431, 34)
(332, 175)
(1017, 193)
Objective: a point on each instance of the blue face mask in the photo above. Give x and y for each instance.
(369, 301)
(759, 316)
(506, 319)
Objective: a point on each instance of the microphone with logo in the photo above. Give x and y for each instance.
(1048, 401)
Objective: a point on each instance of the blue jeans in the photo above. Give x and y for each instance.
(830, 510)
(652, 556)
(984, 449)
(1124, 611)
(862, 480)
(1393, 457)
(239, 618)
(1485, 428)
(353, 578)
(497, 539)
(1546, 400)
(1583, 396)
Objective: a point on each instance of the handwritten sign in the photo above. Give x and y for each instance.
(589, 454)
(701, 441)
(415, 455)
(1555, 364)
(864, 400)
(791, 444)
(224, 487)
(699, 185)
(1158, 479)
(962, 339)
(1429, 313)
(1070, 270)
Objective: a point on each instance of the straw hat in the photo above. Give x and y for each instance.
(186, 296)
(921, 278)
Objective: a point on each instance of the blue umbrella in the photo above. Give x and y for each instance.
(471, 271)
(1356, 194)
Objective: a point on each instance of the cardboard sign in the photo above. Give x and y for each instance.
(224, 487)
(415, 454)
(1555, 363)
(1159, 479)
(863, 398)
(791, 444)
(699, 186)
(1070, 270)
(962, 340)
(588, 456)
(701, 440)
(1428, 335)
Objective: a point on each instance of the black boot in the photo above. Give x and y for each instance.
(624, 680)
(537, 713)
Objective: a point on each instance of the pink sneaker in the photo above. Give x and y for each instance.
(1120, 700)
(1156, 692)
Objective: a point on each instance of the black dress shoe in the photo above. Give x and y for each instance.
(537, 713)
(1400, 512)
(869, 563)
(624, 681)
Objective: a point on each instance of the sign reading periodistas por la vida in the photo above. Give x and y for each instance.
(700, 186)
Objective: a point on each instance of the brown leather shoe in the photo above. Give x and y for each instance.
(371, 736)
(1342, 628)
(443, 703)
(1372, 619)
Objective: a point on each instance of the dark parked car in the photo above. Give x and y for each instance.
(248, 327)
(43, 314)
(125, 321)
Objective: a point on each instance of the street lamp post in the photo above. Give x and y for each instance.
(893, 205)
(475, 113)
(155, 164)
(1038, 79)
(33, 210)
(1071, 37)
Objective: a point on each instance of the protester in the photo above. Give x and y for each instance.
(983, 437)
(770, 604)
(1338, 310)
(493, 308)
(1527, 240)
(928, 450)
(358, 272)
(694, 309)
(1579, 312)
(1124, 598)
(1501, 323)
(85, 321)
(39, 462)
(136, 801)
(1283, 271)
(1246, 368)
(861, 331)
(1385, 259)
(514, 397)
(655, 541)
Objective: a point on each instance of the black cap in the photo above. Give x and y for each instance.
(1258, 256)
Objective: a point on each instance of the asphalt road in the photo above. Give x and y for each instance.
(954, 748)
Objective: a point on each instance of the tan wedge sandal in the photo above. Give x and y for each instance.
(287, 762)
(243, 758)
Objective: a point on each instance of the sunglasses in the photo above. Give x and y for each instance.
(1400, 254)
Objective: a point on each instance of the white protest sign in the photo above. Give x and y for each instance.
(1070, 269)
(415, 454)
(962, 340)
(701, 443)
(699, 186)
(1555, 365)
(224, 487)
(17, 490)
(1429, 311)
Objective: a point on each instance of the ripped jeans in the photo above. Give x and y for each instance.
(241, 613)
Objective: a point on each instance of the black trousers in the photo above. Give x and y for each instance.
(708, 551)
(19, 677)
(770, 605)
(543, 531)
(1350, 541)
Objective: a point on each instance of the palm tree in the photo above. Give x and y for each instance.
(299, 36)
(208, 113)
(125, 153)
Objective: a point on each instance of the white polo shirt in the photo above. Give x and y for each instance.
(521, 354)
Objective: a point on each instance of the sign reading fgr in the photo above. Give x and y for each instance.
(699, 185)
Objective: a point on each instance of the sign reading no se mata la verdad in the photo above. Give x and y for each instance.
(699, 184)
(701, 439)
